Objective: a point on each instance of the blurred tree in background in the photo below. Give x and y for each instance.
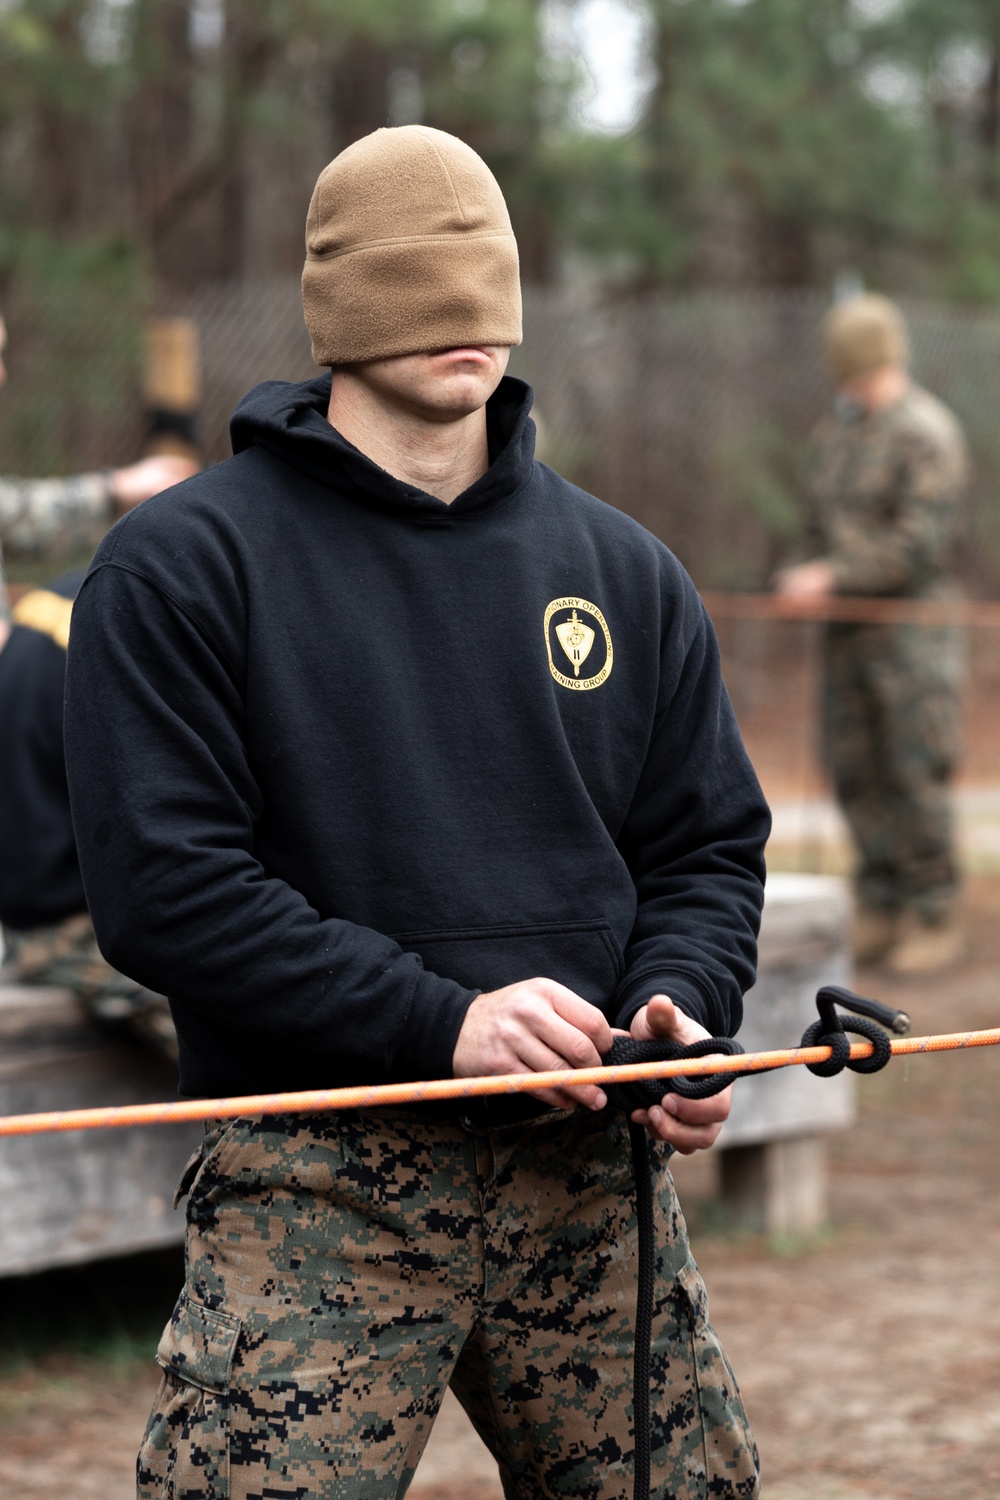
(152, 148)
(779, 139)
(783, 139)
(192, 130)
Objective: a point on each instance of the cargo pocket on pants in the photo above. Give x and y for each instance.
(732, 1465)
(185, 1450)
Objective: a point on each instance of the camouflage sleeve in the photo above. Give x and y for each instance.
(49, 516)
(911, 546)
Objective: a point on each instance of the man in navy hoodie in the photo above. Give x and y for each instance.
(394, 756)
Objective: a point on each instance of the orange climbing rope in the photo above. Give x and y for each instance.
(374, 1096)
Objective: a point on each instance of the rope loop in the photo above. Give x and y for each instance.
(881, 1043)
(645, 1092)
(818, 1035)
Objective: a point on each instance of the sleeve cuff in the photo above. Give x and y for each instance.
(681, 988)
(426, 1048)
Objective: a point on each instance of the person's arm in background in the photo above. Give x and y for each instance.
(38, 516)
(58, 517)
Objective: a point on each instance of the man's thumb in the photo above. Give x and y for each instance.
(656, 1019)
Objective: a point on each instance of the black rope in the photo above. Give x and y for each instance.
(830, 1030)
(642, 1355)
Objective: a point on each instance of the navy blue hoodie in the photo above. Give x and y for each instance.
(342, 755)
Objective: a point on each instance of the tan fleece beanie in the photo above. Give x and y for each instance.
(408, 248)
(863, 334)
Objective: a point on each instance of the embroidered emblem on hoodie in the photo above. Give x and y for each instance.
(578, 642)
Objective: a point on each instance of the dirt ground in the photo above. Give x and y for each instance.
(869, 1357)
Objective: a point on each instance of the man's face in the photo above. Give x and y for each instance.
(875, 389)
(441, 386)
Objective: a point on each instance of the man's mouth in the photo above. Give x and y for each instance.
(463, 351)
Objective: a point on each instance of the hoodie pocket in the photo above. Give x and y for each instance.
(584, 956)
(185, 1450)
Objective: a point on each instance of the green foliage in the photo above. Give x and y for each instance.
(118, 114)
(761, 111)
(74, 317)
(802, 137)
(758, 475)
(838, 130)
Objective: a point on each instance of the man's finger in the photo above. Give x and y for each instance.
(536, 1057)
(684, 1138)
(712, 1111)
(574, 1047)
(581, 1014)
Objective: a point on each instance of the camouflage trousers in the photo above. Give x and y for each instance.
(891, 741)
(66, 954)
(341, 1272)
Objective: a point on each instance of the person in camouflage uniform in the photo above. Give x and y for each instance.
(887, 476)
(358, 769)
(48, 937)
(65, 954)
(44, 518)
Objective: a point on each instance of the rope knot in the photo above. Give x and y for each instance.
(818, 1035)
(645, 1092)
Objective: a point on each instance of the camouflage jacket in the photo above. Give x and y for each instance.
(885, 495)
(48, 517)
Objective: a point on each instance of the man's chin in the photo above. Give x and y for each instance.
(452, 396)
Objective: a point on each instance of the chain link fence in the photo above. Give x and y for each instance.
(691, 413)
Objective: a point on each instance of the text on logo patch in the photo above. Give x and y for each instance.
(578, 643)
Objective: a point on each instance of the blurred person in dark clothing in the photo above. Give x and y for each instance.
(48, 936)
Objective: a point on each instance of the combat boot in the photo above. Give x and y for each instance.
(926, 947)
(873, 933)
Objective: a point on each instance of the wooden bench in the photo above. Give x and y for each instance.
(772, 1150)
(84, 1194)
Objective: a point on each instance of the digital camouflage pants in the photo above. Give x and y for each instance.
(891, 741)
(341, 1272)
(66, 954)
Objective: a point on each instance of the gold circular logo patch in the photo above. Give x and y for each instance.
(580, 656)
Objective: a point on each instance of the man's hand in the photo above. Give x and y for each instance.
(688, 1125)
(810, 580)
(130, 486)
(533, 1027)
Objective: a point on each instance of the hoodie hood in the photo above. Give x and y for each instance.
(289, 420)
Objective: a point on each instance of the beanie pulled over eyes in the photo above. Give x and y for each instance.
(409, 248)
